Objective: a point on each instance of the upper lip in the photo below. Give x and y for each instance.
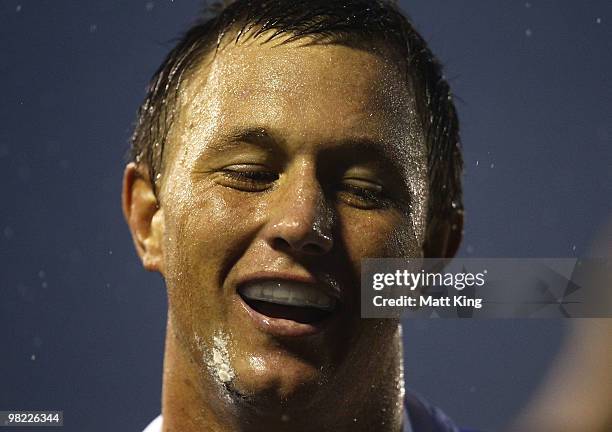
(328, 287)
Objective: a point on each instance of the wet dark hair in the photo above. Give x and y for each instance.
(355, 21)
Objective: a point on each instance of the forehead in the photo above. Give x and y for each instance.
(304, 69)
(302, 88)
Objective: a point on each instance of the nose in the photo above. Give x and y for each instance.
(302, 219)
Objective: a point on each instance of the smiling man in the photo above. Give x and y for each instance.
(281, 142)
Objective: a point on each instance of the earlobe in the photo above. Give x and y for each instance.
(143, 216)
(444, 237)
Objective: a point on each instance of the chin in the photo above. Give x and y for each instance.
(279, 385)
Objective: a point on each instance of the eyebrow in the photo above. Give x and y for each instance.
(255, 135)
(360, 149)
(259, 136)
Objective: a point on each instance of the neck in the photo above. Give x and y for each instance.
(372, 401)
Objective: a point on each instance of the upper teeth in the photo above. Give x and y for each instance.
(288, 293)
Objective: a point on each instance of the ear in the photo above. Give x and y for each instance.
(444, 237)
(143, 216)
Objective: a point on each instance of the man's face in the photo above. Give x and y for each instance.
(286, 165)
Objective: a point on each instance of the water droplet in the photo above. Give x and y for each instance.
(528, 33)
(110, 252)
(598, 20)
(93, 28)
(528, 5)
(453, 204)
(33, 357)
(44, 284)
(149, 6)
(41, 274)
(492, 165)
(285, 418)
(574, 247)
(18, 8)
(477, 162)
(158, 176)
(470, 249)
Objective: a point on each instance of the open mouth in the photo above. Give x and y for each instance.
(288, 300)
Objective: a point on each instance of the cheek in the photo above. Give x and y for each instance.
(204, 231)
(381, 234)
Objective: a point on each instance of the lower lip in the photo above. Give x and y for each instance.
(282, 327)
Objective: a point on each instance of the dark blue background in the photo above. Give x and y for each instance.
(82, 324)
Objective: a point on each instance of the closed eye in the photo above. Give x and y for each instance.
(364, 194)
(247, 177)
